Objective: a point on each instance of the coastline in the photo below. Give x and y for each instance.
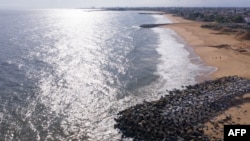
(206, 43)
(201, 40)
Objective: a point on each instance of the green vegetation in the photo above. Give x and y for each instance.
(225, 17)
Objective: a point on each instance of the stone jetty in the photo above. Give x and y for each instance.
(180, 115)
(152, 25)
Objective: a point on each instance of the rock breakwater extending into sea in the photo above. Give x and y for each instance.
(181, 114)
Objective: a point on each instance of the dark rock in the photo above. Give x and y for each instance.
(181, 114)
(152, 25)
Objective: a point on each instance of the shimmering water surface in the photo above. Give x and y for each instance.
(64, 74)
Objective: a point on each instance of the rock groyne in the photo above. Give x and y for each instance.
(181, 114)
(152, 25)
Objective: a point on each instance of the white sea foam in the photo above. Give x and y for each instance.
(161, 19)
(179, 64)
(174, 59)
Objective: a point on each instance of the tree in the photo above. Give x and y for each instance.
(238, 19)
(219, 19)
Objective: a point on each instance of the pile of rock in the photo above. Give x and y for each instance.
(180, 114)
(152, 25)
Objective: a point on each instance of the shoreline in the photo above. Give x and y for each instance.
(202, 40)
(197, 60)
(197, 111)
(227, 61)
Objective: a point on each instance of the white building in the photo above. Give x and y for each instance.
(247, 19)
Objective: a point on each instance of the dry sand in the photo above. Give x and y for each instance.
(219, 50)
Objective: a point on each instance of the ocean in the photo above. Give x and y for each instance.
(66, 73)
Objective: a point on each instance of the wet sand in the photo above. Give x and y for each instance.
(221, 51)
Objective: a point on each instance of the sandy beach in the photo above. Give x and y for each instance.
(222, 51)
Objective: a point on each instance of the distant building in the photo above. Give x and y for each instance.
(247, 19)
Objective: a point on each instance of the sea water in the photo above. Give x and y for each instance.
(65, 74)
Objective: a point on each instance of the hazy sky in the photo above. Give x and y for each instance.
(121, 3)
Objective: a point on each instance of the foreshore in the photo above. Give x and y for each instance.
(220, 50)
(197, 112)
